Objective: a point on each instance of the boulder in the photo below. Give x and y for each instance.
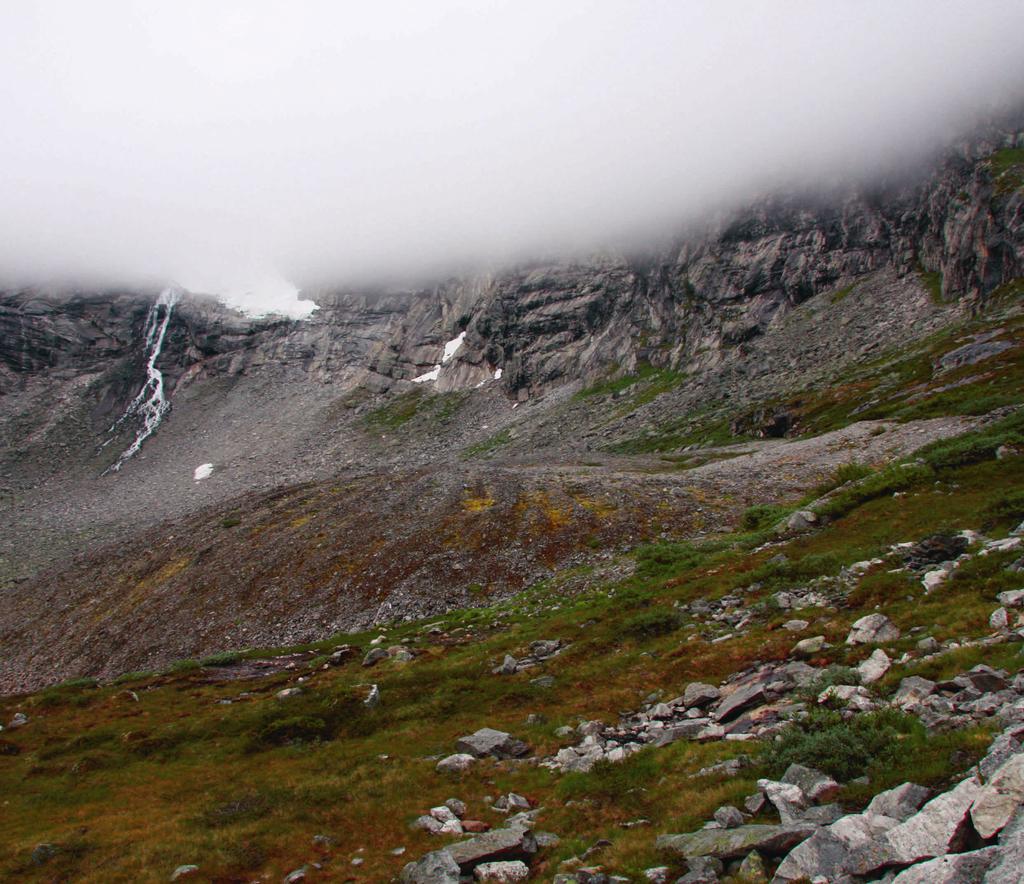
(490, 742)
(512, 843)
(502, 872)
(985, 679)
(456, 806)
(728, 817)
(999, 619)
(427, 824)
(374, 656)
(507, 667)
(1000, 798)
(872, 629)
(1012, 598)
(788, 799)
(899, 803)
(827, 852)
(808, 647)
(958, 868)
(739, 701)
(456, 763)
(1010, 861)
(851, 696)
(940, 827)
(817, 786)
(802, 520)
(183, 872)
(872, 669)
(699, 694)
(912, 690)
(736, 843)
(437, 867)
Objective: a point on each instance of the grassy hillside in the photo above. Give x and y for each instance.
(129, 780)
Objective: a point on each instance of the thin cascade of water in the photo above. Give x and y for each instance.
(150, 404)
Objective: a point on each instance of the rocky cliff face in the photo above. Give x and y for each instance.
(961, 226)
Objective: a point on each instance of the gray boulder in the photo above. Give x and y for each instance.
(899, 803)
(828, 851)
(1006, 869)
(727, 844)
(490, 742)
(437, 867)
(872, 629)
(502, 872)
(374, 656)
(700, 694)
(817, 786)
(739, 701)
(959, 868)
(456, 763)
(728, 817)
(512, 843)
(1000, 798)
(940, 827)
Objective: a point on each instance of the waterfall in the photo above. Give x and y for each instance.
(150, 404)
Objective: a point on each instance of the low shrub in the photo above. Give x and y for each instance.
(762, 517)
(976, 446)
(622, 784)
(899, 477)
(650, 624)
(1006, 509)
(843, 748)
(661, 561)
(225, 658)
(287, 730)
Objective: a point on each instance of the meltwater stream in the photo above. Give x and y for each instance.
(150, 404)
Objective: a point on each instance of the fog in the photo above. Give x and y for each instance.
(251, 147)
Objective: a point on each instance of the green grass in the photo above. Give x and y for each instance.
(417, 405)
(488, 445)
(650, 382)
(1008, 169)
(932, 281)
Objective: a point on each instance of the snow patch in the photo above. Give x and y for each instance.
(202, 471)
(431, 375)
(256, 293)
(497, 374)
(452, 347)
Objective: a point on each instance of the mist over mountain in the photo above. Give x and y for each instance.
(249, 146)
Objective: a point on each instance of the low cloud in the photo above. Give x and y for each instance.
(245, 144)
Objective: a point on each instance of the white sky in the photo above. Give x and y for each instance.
(255, 146)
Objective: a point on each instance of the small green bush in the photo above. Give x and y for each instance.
(649, 624)
(231, 522)
(225, 658)
(621, 785)
(831, 675)
(762, 517)
(848, 472)
(974, 447)
(1007, 508)
(661, 561)
(899, 477)
(184, 666)
(291, 729)
(843, 748)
